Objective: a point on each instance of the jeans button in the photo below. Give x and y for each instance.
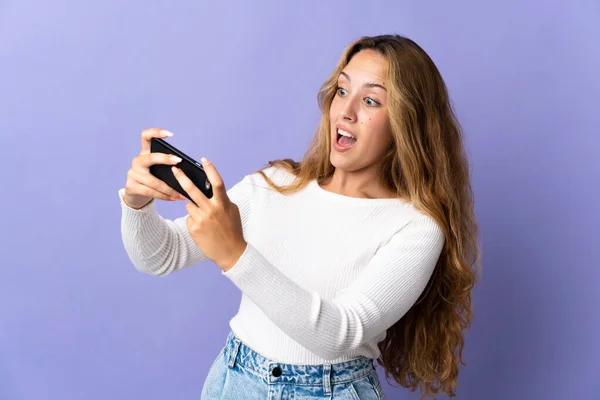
(276, 372)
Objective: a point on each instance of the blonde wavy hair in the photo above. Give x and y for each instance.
(426, 164)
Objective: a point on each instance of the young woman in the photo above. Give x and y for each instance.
(365, 250)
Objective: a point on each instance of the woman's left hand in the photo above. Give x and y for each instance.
(214, 224)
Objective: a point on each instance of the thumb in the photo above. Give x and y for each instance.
(215, 179)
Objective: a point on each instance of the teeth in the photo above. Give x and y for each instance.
(344, 133)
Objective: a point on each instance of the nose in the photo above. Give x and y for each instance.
(348, 110)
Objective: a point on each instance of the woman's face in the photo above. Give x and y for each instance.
(359, 110)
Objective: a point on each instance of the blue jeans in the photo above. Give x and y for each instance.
(239, 372)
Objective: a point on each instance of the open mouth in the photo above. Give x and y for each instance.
(345, 139)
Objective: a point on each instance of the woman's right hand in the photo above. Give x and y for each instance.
(141, 186)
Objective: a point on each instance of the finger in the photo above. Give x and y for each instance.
(215, 179)
(192, 190)
(144, 190)
(148, 134)
(148, 186)
(193, 210)
(149, 159)
(148, 180)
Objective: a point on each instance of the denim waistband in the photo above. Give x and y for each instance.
(275, 372)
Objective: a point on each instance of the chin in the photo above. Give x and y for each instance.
(341, 162)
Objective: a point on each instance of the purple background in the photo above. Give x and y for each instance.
(237, 82)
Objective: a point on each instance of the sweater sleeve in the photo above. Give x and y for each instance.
(159, 246)
(387, 288)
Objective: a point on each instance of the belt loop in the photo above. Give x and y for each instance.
(234, 352)
(327, 379)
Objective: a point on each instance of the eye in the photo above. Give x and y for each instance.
(341, 91)
(371, 102)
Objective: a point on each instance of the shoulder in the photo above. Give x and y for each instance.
(277, 175)
(256, 184)
(421, 230)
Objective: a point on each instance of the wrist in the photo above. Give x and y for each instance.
(136, 202)
(233, 257)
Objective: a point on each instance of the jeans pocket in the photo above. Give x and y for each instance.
(367, 388)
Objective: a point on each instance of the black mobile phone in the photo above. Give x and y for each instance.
(192, 168)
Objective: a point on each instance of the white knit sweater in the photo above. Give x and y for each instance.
(324, 275)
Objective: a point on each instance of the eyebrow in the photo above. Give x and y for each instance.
(367, 85)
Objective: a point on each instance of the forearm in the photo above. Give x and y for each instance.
(155, 245)
(327, 328)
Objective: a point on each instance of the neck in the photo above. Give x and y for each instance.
(361, 184)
